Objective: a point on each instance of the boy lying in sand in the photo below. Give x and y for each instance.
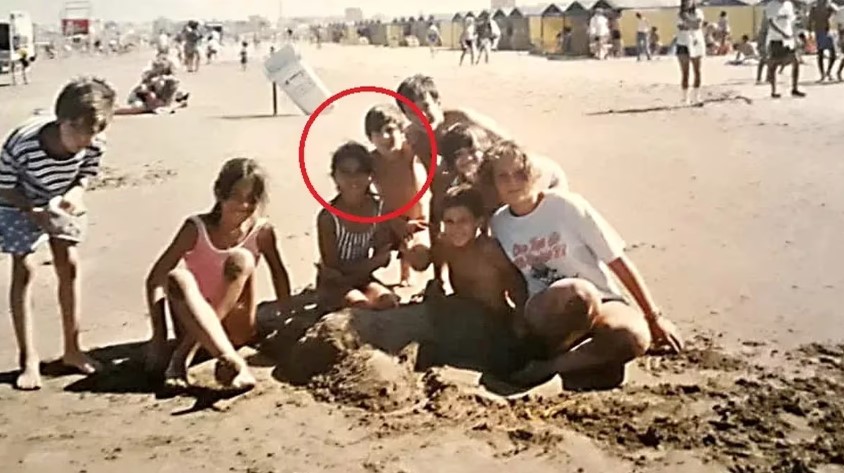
(212, 301)
(399, 175)
(351, 251)
(477, 267)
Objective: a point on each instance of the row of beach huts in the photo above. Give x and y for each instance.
(537, 28)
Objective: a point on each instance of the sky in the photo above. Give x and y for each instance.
(47, 11)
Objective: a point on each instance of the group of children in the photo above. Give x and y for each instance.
(474, 227)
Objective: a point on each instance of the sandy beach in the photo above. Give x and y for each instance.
(730, 210)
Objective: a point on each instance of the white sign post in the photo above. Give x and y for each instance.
(296, 78)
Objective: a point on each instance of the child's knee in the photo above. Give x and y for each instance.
(238, 264)
(631, 341)
(178, 283)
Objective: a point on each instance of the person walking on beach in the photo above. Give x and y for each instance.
(820, 19)
(599, 32)
(691, 47)
(781, 44)
(433, 38)
(469, 41)
(643, 30)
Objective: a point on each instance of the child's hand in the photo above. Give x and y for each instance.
(72, 202)
(416, 226)
(40, 217)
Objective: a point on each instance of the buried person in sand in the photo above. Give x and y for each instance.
(564, 249)
(212, 301)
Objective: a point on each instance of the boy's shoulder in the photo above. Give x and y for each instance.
(26, 132)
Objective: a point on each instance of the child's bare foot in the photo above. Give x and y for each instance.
(82, 362)
(232, 372)
(30, 377)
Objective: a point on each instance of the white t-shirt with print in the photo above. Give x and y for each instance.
(564, 237)
(782, 14)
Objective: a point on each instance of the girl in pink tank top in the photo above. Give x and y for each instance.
(212, 295)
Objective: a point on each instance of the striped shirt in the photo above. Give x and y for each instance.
(25, 164)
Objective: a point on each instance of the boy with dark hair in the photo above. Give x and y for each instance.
(478, 268)
(399, 175)
(45, 167)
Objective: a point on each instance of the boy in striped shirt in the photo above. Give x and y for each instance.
(45, 165)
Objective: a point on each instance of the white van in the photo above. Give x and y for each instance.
(17, 33)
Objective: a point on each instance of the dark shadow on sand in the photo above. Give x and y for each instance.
(124, 371)
(669, 108)
(49, 369)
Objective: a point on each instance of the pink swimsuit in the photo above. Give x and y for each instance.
(205, 261)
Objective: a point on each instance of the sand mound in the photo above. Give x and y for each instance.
(371, 379)
(452, 332)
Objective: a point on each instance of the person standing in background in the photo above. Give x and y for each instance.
(643, 29)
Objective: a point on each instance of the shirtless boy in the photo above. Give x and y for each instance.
(478, 269)
(399, 175)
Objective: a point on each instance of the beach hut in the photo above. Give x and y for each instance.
(445, 25)
(379, 33)
(661, 14)
(577, 18)
(741, 15)
(456, 30)
(518, 30)
(551, 27)
(534, 20)
(500, 16)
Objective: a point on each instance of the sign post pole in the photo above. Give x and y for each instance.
(275, 99)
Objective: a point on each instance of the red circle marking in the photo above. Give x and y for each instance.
(378, 218)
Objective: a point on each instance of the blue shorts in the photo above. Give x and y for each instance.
(18, 234)
(824, 40)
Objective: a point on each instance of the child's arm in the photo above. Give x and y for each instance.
(184, 240)
(9, 189)
(327, 235)
(510, 275)
(268, 245)
(663, 331)
(90, 168)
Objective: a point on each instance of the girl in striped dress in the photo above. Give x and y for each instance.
(351, 251)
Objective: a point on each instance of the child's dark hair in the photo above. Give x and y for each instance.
(507, 149)
(462, 136)
(88, 101)
(465, 195)
(380, 116)
(415, 87)
(234, 171)
(352, 151)
(745, 38)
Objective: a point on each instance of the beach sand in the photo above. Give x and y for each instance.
(731, 211)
